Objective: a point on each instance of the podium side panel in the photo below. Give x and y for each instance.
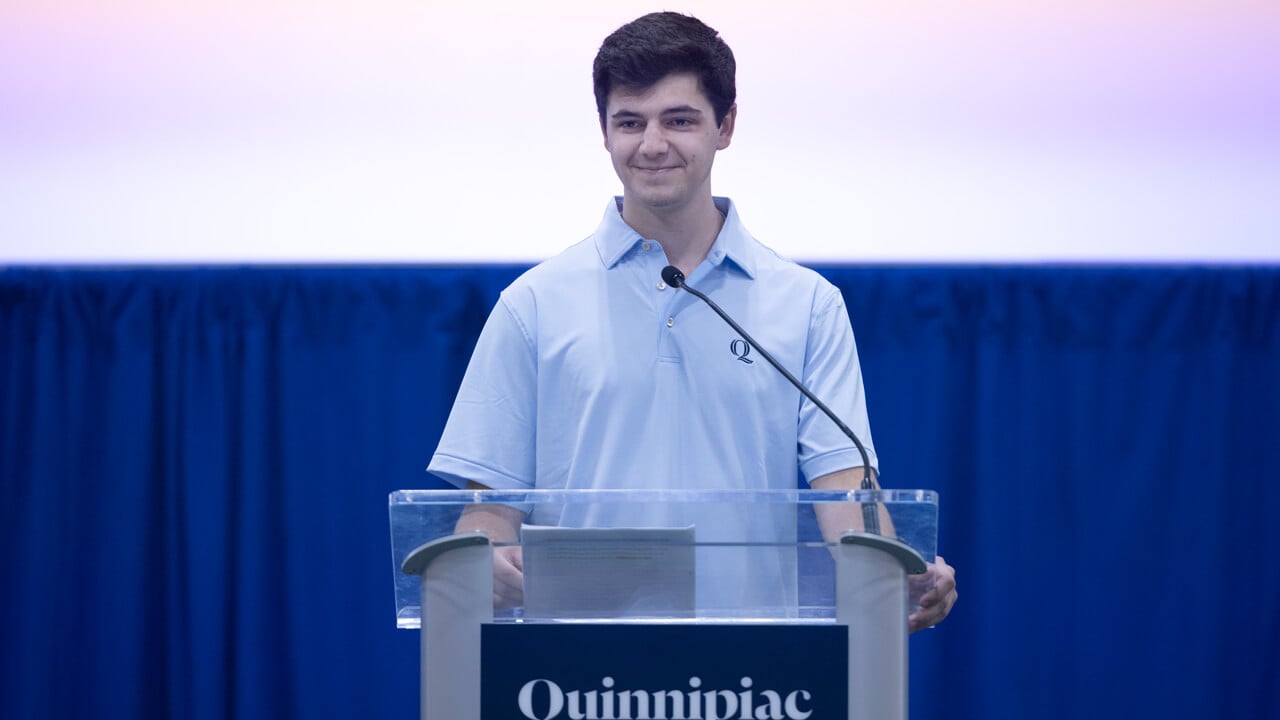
(871, 599)
(457, 598)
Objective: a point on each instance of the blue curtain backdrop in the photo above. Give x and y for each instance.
(195, 464)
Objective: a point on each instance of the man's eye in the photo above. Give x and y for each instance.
(681, 122)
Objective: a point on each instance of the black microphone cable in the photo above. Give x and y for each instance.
(672, 276)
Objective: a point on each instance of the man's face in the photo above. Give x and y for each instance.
(663, 140)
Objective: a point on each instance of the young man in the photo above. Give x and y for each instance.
(592, 373)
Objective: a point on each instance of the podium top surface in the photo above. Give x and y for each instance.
(731, 555)
(797, 496)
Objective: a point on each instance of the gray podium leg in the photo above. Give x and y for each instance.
(871, 599)
(457, 598)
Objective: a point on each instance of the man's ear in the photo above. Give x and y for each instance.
(726, 127)
(604, 132)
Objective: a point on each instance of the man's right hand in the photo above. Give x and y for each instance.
(508, 577)
(502, 524)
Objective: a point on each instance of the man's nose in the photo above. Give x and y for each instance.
(654, 141)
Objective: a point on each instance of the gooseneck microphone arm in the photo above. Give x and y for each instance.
(672, 276)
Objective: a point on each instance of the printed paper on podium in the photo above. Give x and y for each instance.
(614, 573)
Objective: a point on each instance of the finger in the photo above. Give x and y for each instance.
(936, 604)
(919, 620)
(924, 587)
(938, 593)
(933, 613)
(937, 610)
(508, 579)
(507, 601)
(507, 595)
(508, 576)
(944, 582)
(922, 619)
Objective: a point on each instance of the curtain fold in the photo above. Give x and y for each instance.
(194, 464)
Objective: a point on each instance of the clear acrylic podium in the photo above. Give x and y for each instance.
(791, 560)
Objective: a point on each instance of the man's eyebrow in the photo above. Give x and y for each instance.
(677, 110)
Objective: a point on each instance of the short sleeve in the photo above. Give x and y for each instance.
(490, 435)
(832, 372)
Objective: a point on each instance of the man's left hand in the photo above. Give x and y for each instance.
(932, 594)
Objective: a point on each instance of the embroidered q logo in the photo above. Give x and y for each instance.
(741, 350)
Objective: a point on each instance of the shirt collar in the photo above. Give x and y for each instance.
(614, 238)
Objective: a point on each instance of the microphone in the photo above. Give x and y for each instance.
(672, 276)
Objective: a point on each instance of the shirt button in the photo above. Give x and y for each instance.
(662, 285)
(671, 321)
(645, 246)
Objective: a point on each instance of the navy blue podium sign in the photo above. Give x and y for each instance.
(663, 672)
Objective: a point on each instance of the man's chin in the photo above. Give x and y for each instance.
(659, 200)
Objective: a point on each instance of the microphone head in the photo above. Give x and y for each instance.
(672, 276)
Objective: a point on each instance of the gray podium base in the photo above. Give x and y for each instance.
(871, 599)
(457, 598)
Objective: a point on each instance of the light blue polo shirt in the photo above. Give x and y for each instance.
(591, 373)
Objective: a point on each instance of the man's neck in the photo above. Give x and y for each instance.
(686, 233)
